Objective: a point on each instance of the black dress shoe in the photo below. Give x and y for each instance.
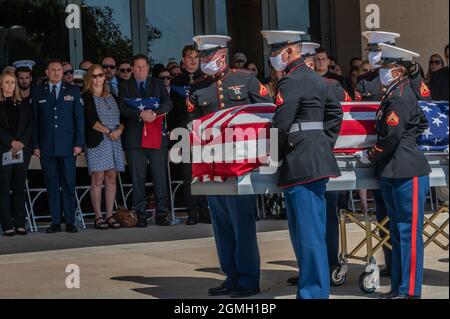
(21, 231)
(54, 229)
(142, 223)
(407, 297)
(72, 229)
(293, 281)
(388, 295)
(222, 290)
(386, 272)
(191, 222)
(242, 292)
(162, 221)
(9, 233)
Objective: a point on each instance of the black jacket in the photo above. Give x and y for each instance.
(439, 85)
(179, 116)
(93, 137)
(132, 135)
(307, 154)
(24, 130)
(399, 123)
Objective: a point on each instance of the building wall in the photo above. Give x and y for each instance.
(423, 24)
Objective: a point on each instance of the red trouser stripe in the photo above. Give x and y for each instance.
(415, 207)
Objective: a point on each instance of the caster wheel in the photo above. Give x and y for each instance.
(367, 282)
(337, 277)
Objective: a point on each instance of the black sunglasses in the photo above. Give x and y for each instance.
(332, 67)
(68, 72)
(100, 75)
(166, 78)
(128, 70)
(436, 62)
(109, 66)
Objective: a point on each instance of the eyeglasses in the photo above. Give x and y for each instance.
(128, 70)
(436, 62)
(109, 66)
(100, 75)
(332, 67)
(68, 72)
(166, 78)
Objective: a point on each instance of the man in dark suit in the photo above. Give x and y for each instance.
(58, 138)
(142, 86)
(439, 82)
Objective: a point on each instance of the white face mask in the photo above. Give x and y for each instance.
(211, 68)
(386, 76)
(374, 58)
(277, 62)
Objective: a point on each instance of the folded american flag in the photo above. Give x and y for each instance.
(152, 132)
(182, 91)
(435, 138)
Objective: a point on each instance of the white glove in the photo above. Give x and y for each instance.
(363, 157)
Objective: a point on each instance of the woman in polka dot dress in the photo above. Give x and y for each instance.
(104, 153)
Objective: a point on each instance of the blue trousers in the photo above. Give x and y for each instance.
(233, 221)
(59, 173)
(332, 231)
(306, 210)
(405, 203)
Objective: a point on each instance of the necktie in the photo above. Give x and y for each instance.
(191, 78)
(142, 89)
(53, 93)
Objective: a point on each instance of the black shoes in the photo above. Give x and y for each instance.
(71, 229)
(9, 233)
(236, 292)
(53, 229)
(396, 295)
(386, 272)
(220, 291)
(241, 292)
(293, 281)
(191, 221)
(142, 223)
(21, 231)
(162, 221)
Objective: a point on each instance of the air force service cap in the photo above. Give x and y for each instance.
(24, 64)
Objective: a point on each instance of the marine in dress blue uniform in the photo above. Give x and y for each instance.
(301, 107)
(333, 121)
(58, 124)
(403, 171)
(233, 217)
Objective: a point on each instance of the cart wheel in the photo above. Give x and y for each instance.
(338, 278)
(367, 282)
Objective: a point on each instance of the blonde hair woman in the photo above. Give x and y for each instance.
(15, 137)
(104, 153)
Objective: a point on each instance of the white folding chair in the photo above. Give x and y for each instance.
(33, 194)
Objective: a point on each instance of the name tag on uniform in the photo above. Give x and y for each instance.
(69, 98)
(42, 101)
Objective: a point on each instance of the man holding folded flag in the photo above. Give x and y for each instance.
(144, 102)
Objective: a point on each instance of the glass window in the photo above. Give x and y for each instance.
(221, 17)
(33, 30)
(294, 15)
(170, 27)
(106, 29)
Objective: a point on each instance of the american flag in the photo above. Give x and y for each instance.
(358, 133)
(152, 132)
(435, 138)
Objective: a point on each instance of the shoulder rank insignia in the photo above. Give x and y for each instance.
(424, 90)
(280, 100)
(263, 91)
(190, 105)
(392, 119)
